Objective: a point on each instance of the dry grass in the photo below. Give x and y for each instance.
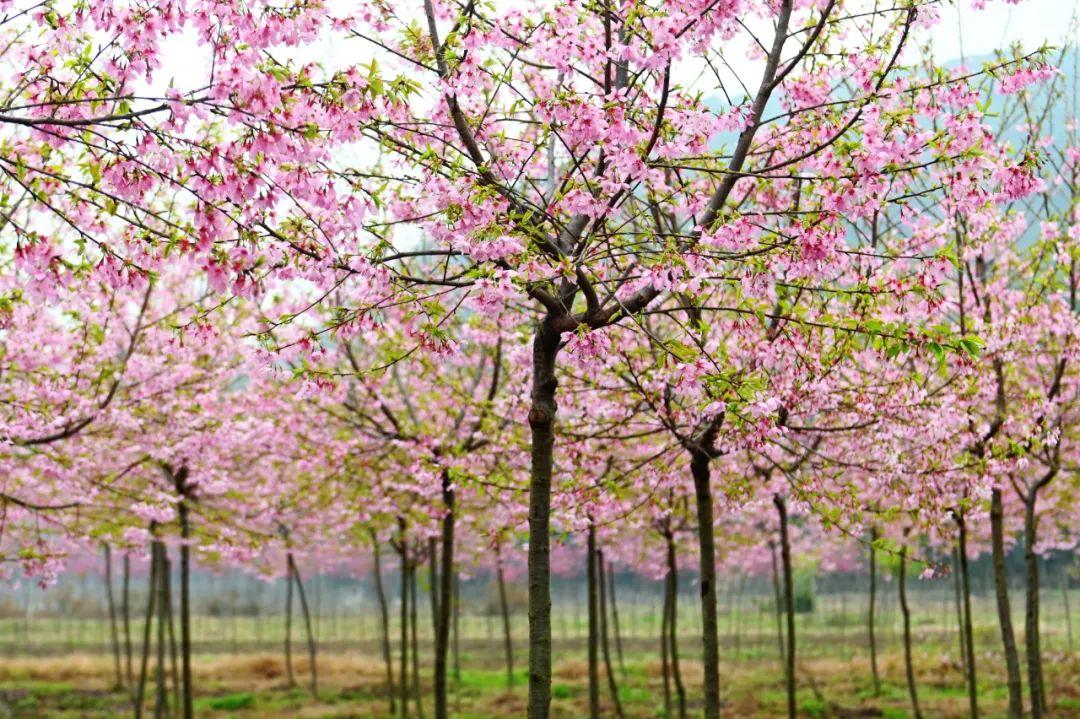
(351, 686)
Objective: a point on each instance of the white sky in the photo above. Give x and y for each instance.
(966, 32)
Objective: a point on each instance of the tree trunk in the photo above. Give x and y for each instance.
(307, 625)
(965, 583)
(957, 592)
(504, 607)
(173, 664)
(384, 615)
(789, 603)
(443, 594)
(403, 673)
(594, 638)
(1068, 614)
(185, 612)
(613, 688)
(778, 600)
(457, 632)
(908, 666)
(673, 625)
(664, 665)
(114, 632)
(615, 617)
(542, 427)
(699, 468)
(288, 624)
(413, 631)
(161, 697)
(870, 622)
(125, 610)
(151, 596)
(1031, 612)
(433, 582)
(1001, 589)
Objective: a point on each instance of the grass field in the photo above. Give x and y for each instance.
(254, 685)
(62, 667)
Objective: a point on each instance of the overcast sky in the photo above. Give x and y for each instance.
(965, 32)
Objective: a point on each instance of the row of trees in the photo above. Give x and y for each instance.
(336, 296)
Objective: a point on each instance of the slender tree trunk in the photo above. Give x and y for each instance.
(1001, 589)
(699, 468)
(542, 427)
(504, 607)
(114, 632)
(789, 602)
(413, 631)
(673, 624)
(594, 637)
(445, 589)
(173, 663)
(185, 611)
(908, 666)
(615, 617)
(161, 698)
(665, 666)
(288, 624)
(870, 622)
(151, 596)
(1068, 614)
(1031, 612)
(457, 632)
(433, 583)
(403, 673)
(778, 601)
(605, 645)
(969, 642)
(307, 625)
(125, 610)
(957, 592)
(384, 616)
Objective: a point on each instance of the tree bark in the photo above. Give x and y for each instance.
(778, 600)
(413, 631)
(151, 597)
(504, 607)
(307, 624)
(173, 664)
(161, 697)
(1031, 610)
(188, 701)
(542, 427)
(433, 598)
(114, 631)
(1068, 614)
(615, 617)
(1001, 590)
(965, 583)
(457, 633)
(125, 610)
(699, 468)
(594, 638)
(672, 624)
(613, 688)
(288, 624)
(664, 664)
(870, 621)
(789, 603)
(384, 616)
(957, 592)
(908, 666)
(443, 594)
(403, 673)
